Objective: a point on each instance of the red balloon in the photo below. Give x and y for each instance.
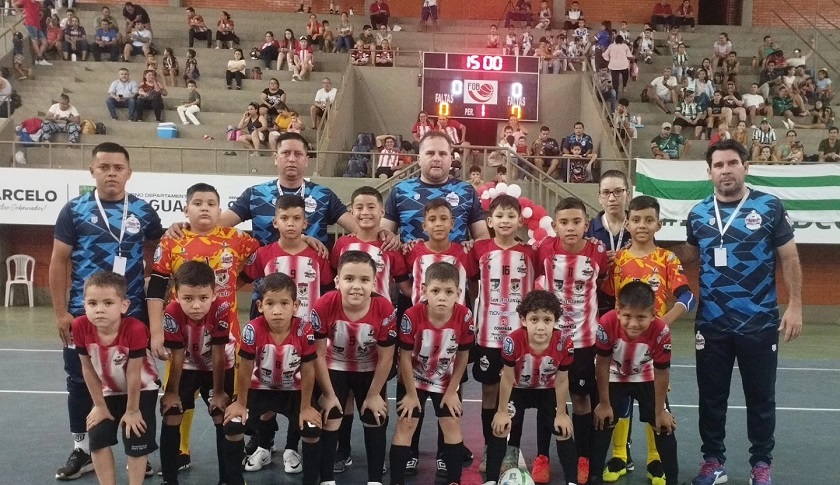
(533, 224)
(539, 212)
(539, 234)
(485, 204)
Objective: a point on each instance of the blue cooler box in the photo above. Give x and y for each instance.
(167, 130)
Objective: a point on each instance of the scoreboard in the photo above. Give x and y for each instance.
(481, 86)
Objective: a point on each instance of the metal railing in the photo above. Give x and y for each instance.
(798, 34)
(607, 121)
(9, 26)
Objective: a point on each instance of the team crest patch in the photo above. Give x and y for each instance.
(453, 199)
(484, 363)
(558, 285)
(507, 346)
(158, 254)
(120, 359)
(315, 321)
(303, 290)
(248, 336)
(753, 221)
(515, 285)
(223, 308)
(251, 258)
(94, 219)
(654, 282)
(132, 225)
(226, 259)
(495, 284)
(511, 409)
(601, 335)
(169, 324)
(310, 204)
(405, 325)
(222, 278)
(588, 269)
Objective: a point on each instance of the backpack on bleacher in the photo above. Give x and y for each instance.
(359, 161)
(101, 129)
(88, 127)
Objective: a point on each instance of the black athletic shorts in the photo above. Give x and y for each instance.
(487, 365)
(582, 373)
(422, 396)
(193, 381)
(358, 383)
(104, 434)
(261, 401)
(643, 392)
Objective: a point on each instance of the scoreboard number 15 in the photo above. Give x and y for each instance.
(486, 63)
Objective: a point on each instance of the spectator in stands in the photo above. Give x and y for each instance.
(550, 63)
(367, 40)
(475, 176)
(389, 158)
(574, 14)
(783, 150)
(135, 13)
(420, 128)
(383, 34)
(731, 66)
(493, 38)
(139, 41)
(75, 43)
(797, 59)
(150, 95)
(764, 50)
(717, 112)
(170, 68)
(68, 14)
(303, 61)
(768, 78)
(604, 83)
(359, 56)
(324, 99)
(742, 135)
(192, 106)
(428, 12)
(755, 105)
(198, 28)
(521, 11)
(689, 114)
(271, 99)
(824, 86)
(269, 50)
(732, 100)
(105, 14)
(286, 52)
(680, 62)
(379, 13)
(580, 168)
(344, 42)
(315, 31)
(786, 105)
(55, 38)
(663, 89)
(645, 46)
(763, 137)
(578, 138)
(704, 87)
(684, 15)
(456, 131)
(545, 151)
(122, 94)
(62, 117)
(544, 16)
(253, 128)
(789, 76)
(822, 118)
(31, 11)
(829, 149)
(281, 124)
(225, 34)
(667, 145)
(235, 70)
(618, 57)
(510, 47)
(623, 122)
(662, 16)
(106, 41)
(526, 41)
(384, 55)
(721, 49)
(191, 67)
(603, 39)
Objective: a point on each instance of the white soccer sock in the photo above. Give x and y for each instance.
(81, 441)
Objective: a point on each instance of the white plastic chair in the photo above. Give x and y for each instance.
(24, 274)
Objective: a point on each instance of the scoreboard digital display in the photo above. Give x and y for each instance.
(481, 86)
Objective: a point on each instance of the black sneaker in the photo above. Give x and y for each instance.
(183, 461)
(77, 465)
(467, 454)
(656, 473)
(149, 470)
(441, 467)
(411, 466)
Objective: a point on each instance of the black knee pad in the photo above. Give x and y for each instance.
(173, 411)
(368, 417)
(216, 412)
(309, 430)
(335, 413)
(233, 428)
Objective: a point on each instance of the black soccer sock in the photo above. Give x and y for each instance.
(328, 441)
(292, 435)
(265, 434)
(220, 452)
(515, 436)
(487, 424)
(440, 442)
(583, 430)
(170, 440)
(453, 457)
(495, 455)
(415, 440)
(375, 449)
(234, 455)
(567, 454)
(667, 446)
(602, 439)
(344, 432)
(545, 425)
(312, 462)
(399, 457)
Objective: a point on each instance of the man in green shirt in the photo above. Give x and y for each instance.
(666, 145)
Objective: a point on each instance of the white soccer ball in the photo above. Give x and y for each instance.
(516, 476)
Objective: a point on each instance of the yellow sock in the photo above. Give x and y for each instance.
(653, 453)
(619, 438)
(186, 429)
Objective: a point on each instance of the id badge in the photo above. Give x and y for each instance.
(120, 263)
(720, 257)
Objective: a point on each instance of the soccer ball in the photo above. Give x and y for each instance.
(516, 476)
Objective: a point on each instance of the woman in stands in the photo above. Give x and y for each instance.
(55, 36)
(344, 42)
(235, 69)
(286, 53)
(269, 49)
(224, 32)
(384, 55)
(150, 96)
(253, 127)
(271, 99)
(420, 128)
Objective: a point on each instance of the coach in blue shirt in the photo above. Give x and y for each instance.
(738, 234)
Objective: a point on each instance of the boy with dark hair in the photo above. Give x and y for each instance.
(355, 333)
(311, 273)
(537, 359)
(644, 261)
(120, 375)
(634, 356)
(506, 273)
(196, 332)
(475, 176)
(225, 250)
(276, 375)
(571, 267)
(435, 337)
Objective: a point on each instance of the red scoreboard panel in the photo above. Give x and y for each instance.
(481, 86)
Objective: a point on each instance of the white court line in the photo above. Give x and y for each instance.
(31, 350)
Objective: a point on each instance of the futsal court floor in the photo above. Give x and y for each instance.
(35, 437)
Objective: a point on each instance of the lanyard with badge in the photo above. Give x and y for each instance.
(309, 203)
(120, 261)
(613, 243)
(720, 252)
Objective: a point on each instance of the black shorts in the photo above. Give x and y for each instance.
(422, 396)
(137, 50)
(487, 365)
(684, 123)
(543, 400)
(582, 373)
(643, 392)
(427, 12)
(386, 171)
(104, 434)
(261, 401)
(193, 381)
(344, 382)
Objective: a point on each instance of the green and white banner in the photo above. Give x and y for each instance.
(810, 193)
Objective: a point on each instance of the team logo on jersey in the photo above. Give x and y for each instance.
(588, 270)
(664, 333)
(405, 325)
(443, 366)
(310, 339)
(315, 321)
(248, 337)
(294, 362)
(94, 219)
(423, 360)
(484, 363)
(753, 221)
(416, 196)
(309, 274)
(222, 278)
(579, 287)
(515, 286)
(132, 225)
(158, 254)
(558, 285)
(226, 260)
(169, 324)
(120, 359)
(601, 335)
(511, 409)
(667, 347)
(392, 333)
(251, 258)
(507, 346)
(453, 199)
(303, 290)
(495, 284)
(310, 204)
(524, 380)
(223, 308)
(655, 283)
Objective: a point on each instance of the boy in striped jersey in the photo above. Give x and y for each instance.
(571, 267)
(506, 273)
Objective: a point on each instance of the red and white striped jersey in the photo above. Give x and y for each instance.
(434, 349)
(197, 338)
(352, 345)
(307, 268)
(505, 277)
(537, 370)
(389, 158)
(277, 365)
(389, 264)
(633, 360)
(574, 280)
(421, 257)
(110, 361)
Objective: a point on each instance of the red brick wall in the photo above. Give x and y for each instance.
(318, 6)
(796, 13)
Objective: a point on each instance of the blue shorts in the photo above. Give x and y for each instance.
(35, 33)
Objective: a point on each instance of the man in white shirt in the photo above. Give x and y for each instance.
(755, 104)
(324, 99)
(139, 41)
(122, 94)
(62, 117)
(663, 90)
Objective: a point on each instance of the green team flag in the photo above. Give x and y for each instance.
(810, 193)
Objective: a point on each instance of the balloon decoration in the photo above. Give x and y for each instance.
(535, 216)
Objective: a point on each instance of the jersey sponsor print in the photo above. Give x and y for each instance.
(537, 370)
(389, 264)
(633, 360)
(421, 257)
(277, 364)
(197, 338)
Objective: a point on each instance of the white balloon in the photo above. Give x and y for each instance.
(493, 192)
(485, 194)
(532, 241)
(527, 212)
(514, 190)
(545, 223)
(530, 234)
(502, 188)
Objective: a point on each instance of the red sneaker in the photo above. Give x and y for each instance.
(541, 470)
(583, 470)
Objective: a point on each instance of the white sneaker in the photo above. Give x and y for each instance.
(73, 57)
(259, 459)
(374, 483)
(45, 62)
(331, 482)
(784, 122)
(291, 462)
(20, 158)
